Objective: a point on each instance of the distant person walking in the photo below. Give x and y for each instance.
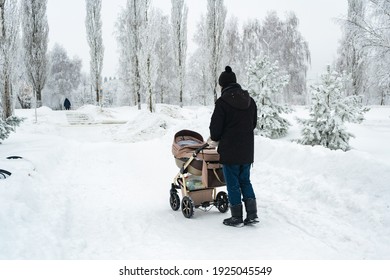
(67, 104)
(231, 129)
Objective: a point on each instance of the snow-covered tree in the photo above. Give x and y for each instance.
(9, 43)
(25, 95)
(266, 83)
(84, 94)
(126, 58)
(93, 24)
(179, 30)
(130, 30)
(35, 41)
(149, 59)
(251, 41)
(166, 63)
(7, 126)
(281, 41)
(368, 23)
(232, 48)
(215, 19)
(352, 58)
(198, 79)
(64, 77)
(330, 109)
(295, 58)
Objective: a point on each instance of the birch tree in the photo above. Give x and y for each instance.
(232, 54)
(281, 41)
(295, 58)
(252, 40)
(215, 19)
(133, 25)
(149, 59)
(179, 29)
(351, 55)
(166, 64)
(93, 23)
(198, 78)
(126, 57)
(35, 41)
(9, 39)
(370, 25)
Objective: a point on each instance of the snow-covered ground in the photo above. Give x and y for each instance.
(101, 191)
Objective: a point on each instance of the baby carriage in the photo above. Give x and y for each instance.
(199, 176)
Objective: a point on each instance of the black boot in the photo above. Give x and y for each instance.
(251, 211)
(236, 219)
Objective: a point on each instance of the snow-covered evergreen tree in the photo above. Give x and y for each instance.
(330, 109)
(8, 126)
(266, 82)
(93, 24)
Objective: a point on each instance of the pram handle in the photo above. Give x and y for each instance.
(198, 150)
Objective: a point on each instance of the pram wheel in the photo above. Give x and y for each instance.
(174, 201)
(222, 202)
(187, 207)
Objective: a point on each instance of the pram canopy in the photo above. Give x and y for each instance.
(184, 144)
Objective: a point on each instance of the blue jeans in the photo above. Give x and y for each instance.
(238, 183)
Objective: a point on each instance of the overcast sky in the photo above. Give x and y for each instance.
(317, 25)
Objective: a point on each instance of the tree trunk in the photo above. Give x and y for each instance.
(7, 106)
(39, 98)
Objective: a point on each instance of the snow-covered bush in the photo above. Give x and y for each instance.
(266, 83)
(330, 109)
(7, 126)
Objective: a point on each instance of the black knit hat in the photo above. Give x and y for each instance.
(227, 77)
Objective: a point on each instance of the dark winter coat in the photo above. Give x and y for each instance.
(232, 124)
(67, 104)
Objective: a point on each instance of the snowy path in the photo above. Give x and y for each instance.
(94, 195)
(126, 209)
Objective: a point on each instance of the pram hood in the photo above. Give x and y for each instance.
(186, 145)
(185, 142)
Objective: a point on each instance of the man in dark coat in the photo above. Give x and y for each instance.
(67, 104)
(231, 129)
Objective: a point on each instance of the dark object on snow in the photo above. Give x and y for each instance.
(14, 157)
(67, 104)
(4, 174)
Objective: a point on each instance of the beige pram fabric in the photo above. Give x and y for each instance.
(206, 162)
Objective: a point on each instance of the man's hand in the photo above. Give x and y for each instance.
(212, 143)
